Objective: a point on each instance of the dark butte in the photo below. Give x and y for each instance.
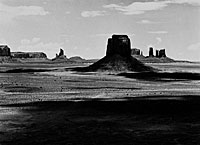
(4, 50)
(118, 57)
(119, 44)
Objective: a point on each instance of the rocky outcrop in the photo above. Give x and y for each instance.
(23, 55)
(160, 57)
(135, 51)
(159, 53)
(37, 55)
(151, 52)
(4, 50)
(60, 55)
(162, 53)
(119, 44)
(118, 57)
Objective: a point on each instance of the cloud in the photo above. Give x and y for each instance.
(36, 45)
(190, 2)
(9, 12)
(146, 22)
(137, 7)
(92, 13)
(158, 32)
(22, 10)
(141, 7)
(195, 46)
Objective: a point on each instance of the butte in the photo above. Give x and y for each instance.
(118, 58)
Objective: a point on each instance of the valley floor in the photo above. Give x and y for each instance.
(64, 107)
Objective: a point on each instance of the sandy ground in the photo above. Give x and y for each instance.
(59, 107)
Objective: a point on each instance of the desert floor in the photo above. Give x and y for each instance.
(48, 104)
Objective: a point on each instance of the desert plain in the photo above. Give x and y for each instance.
(52, 104)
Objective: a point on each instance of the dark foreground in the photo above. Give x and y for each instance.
(160, 120)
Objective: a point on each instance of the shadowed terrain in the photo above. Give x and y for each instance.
(147, 120)
(162, 76)
(64, 107)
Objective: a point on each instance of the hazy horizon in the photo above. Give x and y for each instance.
(82, 28)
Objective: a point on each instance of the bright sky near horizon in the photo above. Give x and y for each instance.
(82, 27)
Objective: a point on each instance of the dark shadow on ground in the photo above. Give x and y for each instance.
(147, 104)
(139, 121)
(21, 70)
(95, 88)
(22, 89)
(162, 76)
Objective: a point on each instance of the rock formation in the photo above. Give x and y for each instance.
(141, 53)
(151, 52)
(119, 44)
(61, 53)
(118, 57)
(38, 55)
(157, 53)
(160, 57)
(60, 56)
(4, 50)
(135, 51)
(162, 53)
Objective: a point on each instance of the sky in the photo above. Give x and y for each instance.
(82, 27)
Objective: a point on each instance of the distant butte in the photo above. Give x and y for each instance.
(61, 56)
(159, 57)
(5, 50)
(22, 55)
(118, 57)
(120, 45)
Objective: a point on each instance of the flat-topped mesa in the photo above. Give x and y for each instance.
(135, 51)
(35, 55)
(4, 50)
(162, 53)
(119, 44)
